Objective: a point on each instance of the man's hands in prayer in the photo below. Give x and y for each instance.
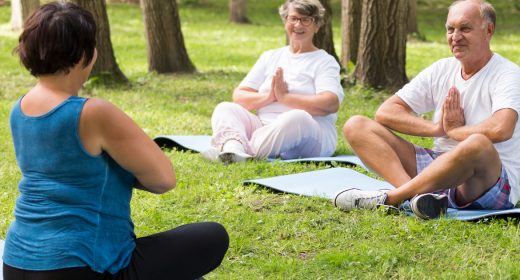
(452, 112)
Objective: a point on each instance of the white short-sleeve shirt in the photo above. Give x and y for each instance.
(494, 87)
(307, 73)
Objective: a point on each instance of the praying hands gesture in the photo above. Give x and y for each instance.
(452, 113)
(279, 88)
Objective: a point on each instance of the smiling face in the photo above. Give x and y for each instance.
(300, 28)
(468, 34)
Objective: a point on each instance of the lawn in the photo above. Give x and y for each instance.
(273, 236)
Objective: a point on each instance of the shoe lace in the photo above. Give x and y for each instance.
(369, 202)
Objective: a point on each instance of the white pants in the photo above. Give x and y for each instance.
(294, 134)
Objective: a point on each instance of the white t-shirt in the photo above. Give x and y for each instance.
(494, 87)
(307, 73)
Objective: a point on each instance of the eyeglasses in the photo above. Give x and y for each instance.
(305, 21)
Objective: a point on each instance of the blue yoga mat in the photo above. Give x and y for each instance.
(199, 143)
(322, 183)
(326, 183)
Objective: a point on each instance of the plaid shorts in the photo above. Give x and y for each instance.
(496, 198)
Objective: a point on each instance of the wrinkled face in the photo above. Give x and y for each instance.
(300, 28)
(467, 33)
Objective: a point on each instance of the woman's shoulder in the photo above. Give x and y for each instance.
(275, 52)
(324, 59)
(100, 112)
(98, 106)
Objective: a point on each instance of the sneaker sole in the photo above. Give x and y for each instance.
(229, 158)
(226, 158)
(428, 206)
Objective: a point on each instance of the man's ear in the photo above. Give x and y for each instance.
(490, 28)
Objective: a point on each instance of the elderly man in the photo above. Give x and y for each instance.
(475, 97)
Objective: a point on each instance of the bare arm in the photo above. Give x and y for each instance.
(251, 99)
(395, 114)
(498, 128)
(104, 127)
(321, 104)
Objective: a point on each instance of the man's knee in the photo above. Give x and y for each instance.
(475, 146)
(356, 126)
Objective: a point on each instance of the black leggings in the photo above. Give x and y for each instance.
(187, 252)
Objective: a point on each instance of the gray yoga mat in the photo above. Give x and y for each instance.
(199, 143)
(327, 182)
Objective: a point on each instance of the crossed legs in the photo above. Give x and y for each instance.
(473, 166)
(292, 134)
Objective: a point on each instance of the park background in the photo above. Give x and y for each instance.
(273, 235)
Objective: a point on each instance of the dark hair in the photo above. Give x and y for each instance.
(56, 37)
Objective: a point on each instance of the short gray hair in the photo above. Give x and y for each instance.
(310, 8)
(487, 12)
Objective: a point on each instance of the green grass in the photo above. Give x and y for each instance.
(273, 236)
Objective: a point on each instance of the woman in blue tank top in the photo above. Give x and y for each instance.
(80, 159)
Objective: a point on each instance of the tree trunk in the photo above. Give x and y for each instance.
(412, 17)
(21, 10)
(382, 45)
(238, 11)
(106, 65)
(124, 1)
(165, 42)
(323, 39)
(351, 24)
(2, 2)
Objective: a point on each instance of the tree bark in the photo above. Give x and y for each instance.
(351, 24)
(412, 17)
(124, 1)
(382, 45)
(106, 65)
(323, 39)
(238, 11)
(21, 10)
(165, 42)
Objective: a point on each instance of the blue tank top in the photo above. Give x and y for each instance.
(74, 208)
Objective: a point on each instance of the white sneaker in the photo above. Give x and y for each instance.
(211, 154)
(349, 199)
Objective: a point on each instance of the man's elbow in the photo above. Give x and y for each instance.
(501, 134)
(382, 117)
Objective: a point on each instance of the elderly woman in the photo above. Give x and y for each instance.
(79, 159)
(295, 91)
